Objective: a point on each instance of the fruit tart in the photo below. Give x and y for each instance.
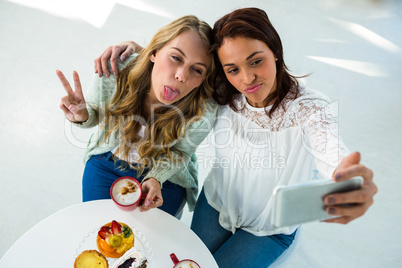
(91, 258)
(114, 239)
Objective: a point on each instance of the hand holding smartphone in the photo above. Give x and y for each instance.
(296, 204)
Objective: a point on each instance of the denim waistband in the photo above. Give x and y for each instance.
(109, 156)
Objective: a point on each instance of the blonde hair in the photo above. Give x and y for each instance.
(127, 109)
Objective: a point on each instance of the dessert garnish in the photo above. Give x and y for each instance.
(114, 239)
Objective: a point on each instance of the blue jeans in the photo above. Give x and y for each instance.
(101, 171)
(241, 249)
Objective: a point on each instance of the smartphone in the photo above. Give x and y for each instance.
(301, 203)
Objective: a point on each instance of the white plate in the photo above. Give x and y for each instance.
(140, 243)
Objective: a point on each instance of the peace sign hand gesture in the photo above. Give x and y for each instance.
(73, 105)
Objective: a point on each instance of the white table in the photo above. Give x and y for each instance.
(53, 242)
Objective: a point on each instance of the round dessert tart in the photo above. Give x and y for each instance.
(91, 258)
(114, 239)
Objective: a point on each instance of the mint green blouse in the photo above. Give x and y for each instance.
(184, 173)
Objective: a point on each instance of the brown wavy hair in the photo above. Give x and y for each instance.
(252, 23)
(127, 111)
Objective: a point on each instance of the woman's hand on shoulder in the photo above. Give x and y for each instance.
(154, 197)
(362, 198)
(73, 105)
(123, 49)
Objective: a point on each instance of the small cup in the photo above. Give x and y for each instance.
(126, 192)
(186, 263)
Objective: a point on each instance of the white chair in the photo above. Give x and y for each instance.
(285, 255)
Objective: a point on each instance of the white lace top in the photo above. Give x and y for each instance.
(255, 153)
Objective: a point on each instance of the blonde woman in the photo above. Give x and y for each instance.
(149, 117)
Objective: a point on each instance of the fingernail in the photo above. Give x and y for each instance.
(115, 73)
(331, 211)
(106, 74)
(123, 58)
(331, 201)
(146, 202)
(72, 108)
(338, 177)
